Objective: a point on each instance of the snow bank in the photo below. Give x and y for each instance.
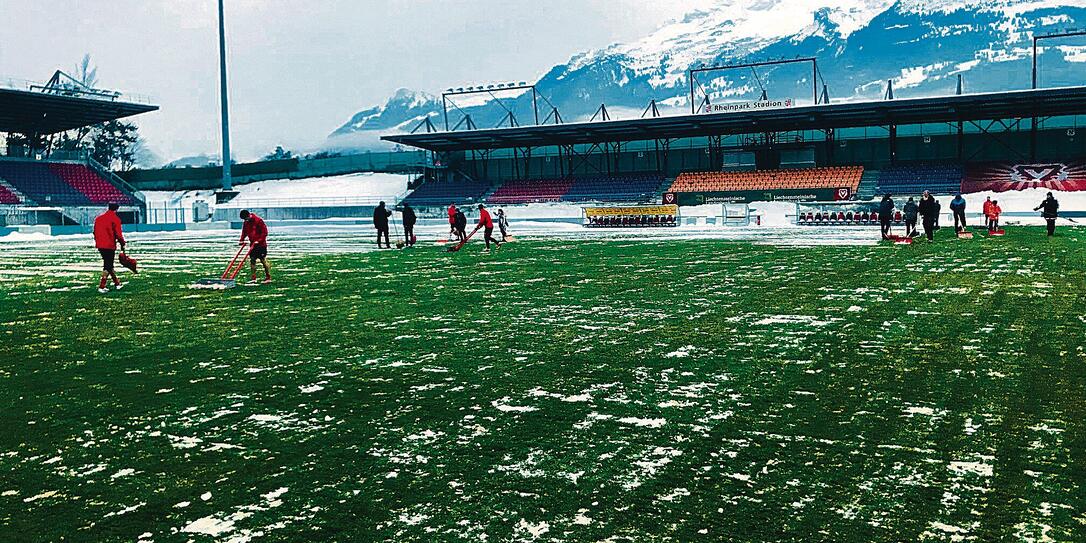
(358, 185)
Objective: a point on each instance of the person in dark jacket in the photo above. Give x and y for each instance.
(409, 220)
(380, 222)
(911, 211)
(460, 225)
(929, 212)
(957, 206)
(938, 211)
(1050, 210)
(886, 215)
(503, 224)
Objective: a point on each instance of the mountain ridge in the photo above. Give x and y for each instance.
(860, 44)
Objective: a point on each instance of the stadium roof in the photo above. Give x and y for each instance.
(967, 107)
(37, 112)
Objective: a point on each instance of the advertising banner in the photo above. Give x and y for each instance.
(618, 211)
(747, 196)
(1008, 177)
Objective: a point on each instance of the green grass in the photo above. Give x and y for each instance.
(553, 391)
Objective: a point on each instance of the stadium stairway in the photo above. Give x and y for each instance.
(868, 187)
(665, 185)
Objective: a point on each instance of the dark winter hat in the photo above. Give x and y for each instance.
(480, 206)
(244, 214)
(114, 206)
(382, 204)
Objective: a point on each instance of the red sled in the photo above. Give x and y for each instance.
(1000, 232)
(965, 235)
(460, 245)
(127, 262)
(900, 240)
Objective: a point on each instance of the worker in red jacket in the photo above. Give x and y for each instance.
(107, 234)
(452, 221)
(487, 224)
(994, 211)
(257, 232)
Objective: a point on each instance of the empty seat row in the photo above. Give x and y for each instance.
(812, 178)
(916, 178)
(441, 193)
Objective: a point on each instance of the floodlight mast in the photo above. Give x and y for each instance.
(226, 181)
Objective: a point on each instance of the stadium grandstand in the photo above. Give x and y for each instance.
(820, 152)
(46, 186)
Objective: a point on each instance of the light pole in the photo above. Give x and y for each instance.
(226, 183)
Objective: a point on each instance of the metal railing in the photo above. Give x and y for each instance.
(95, 94)
(168, 215)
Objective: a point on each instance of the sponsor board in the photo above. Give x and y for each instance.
(615, 211)
(747, 196)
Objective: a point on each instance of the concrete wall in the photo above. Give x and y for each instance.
(297, 213)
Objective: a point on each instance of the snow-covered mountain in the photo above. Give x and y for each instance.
(922, 45)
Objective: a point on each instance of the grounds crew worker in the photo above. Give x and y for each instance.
(487, 224)
(409, 220)
(929, 213)
(1049, 209)
(380, 222)
(886, 215)
(107, 233)
(911, 212)
(957, 206)
(257, 232)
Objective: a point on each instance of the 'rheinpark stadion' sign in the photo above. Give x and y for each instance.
(738, 107)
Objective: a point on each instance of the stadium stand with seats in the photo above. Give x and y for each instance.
(441, 193)
(916, 178)
(626, 188)
(88, 182)
(529, 191)
(798, 179)
(62, 184)
(38, 182)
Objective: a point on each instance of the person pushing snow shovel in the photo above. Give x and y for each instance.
(487, 224)
(257, 232)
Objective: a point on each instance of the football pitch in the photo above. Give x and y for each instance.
(555, 390)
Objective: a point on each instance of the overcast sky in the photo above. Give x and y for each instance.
(300, 68)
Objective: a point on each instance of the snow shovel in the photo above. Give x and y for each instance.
(127, 262)
(460, 245)
(228, 278)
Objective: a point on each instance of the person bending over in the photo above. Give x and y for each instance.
(452, 221)
(107, 234)
(257, 232)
